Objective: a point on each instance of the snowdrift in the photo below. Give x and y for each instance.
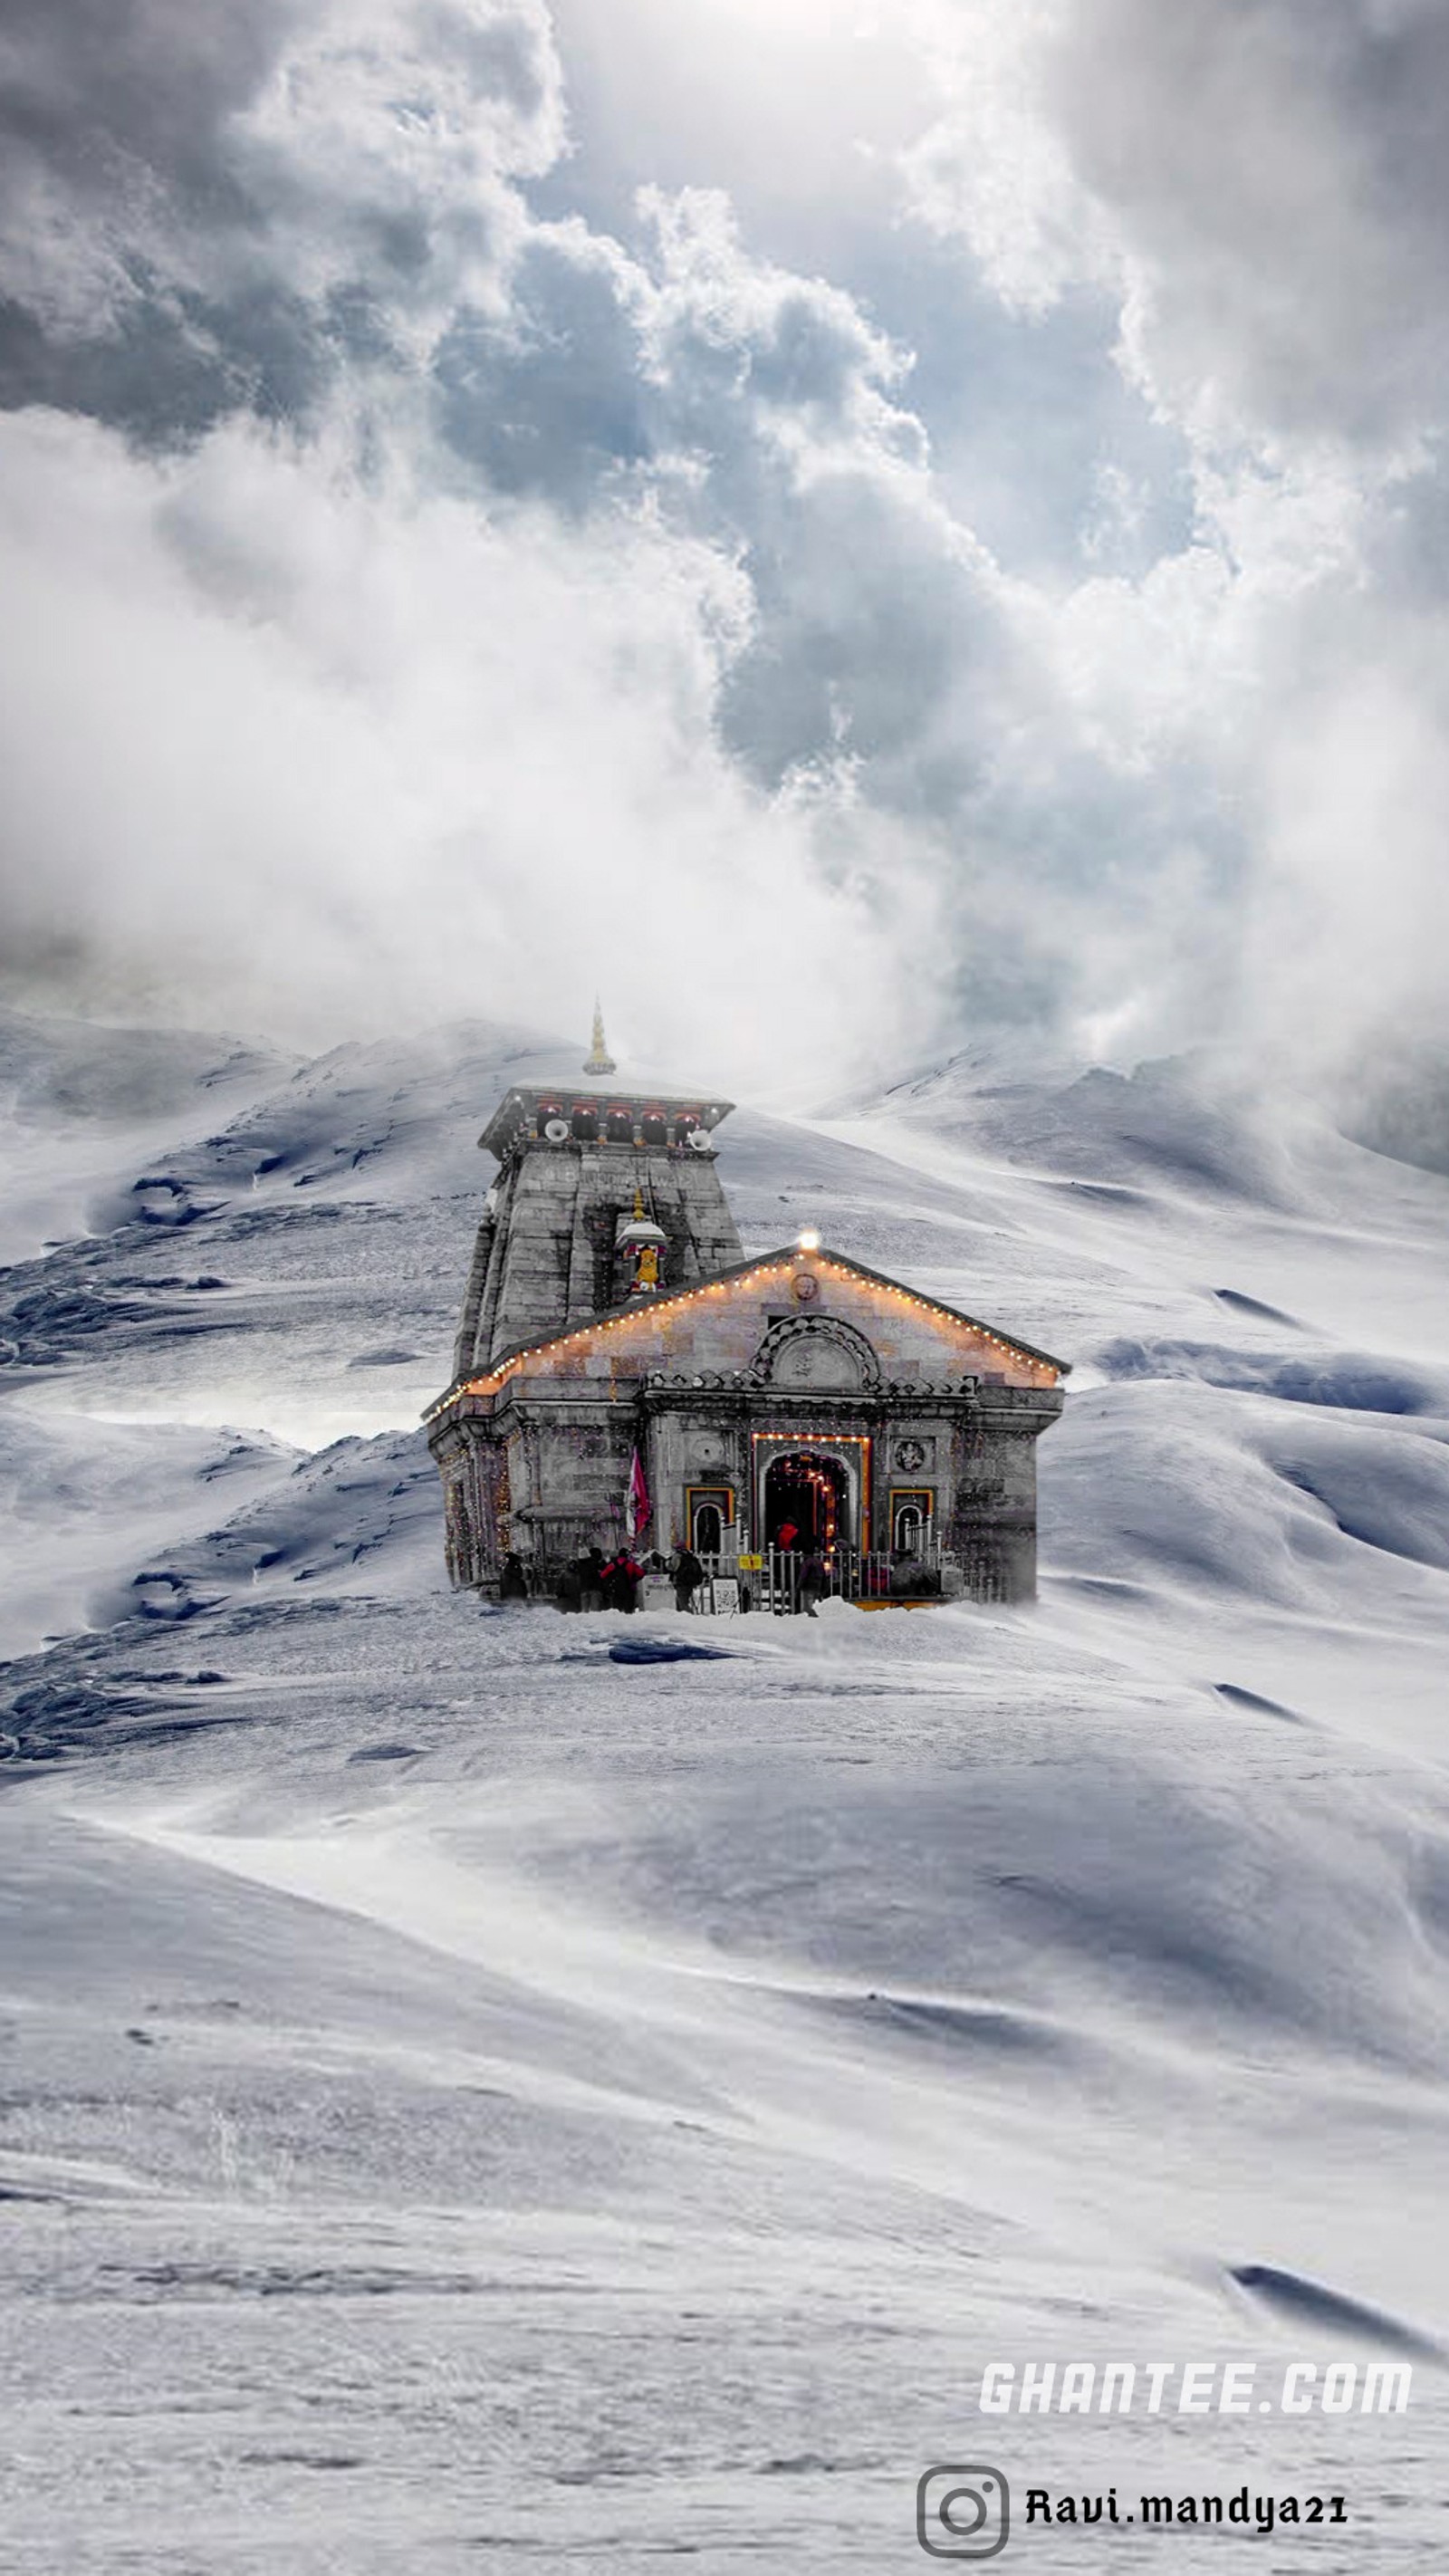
(471, 2095)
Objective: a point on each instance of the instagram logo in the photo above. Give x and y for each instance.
(963, 2513)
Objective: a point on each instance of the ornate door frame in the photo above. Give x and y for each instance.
(850, 1450)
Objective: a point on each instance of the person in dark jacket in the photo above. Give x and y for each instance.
(621, 1582)
(590, 1571)
(514, 1586)
(812, 1584)
(688, 1576)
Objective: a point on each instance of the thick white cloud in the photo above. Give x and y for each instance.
(330, 757)
(991, 165)
(1261, 195)
(1278, 175)
(382, 154)
(1264, 187)
(479, 540)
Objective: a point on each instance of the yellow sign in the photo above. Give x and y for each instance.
(752, 1565)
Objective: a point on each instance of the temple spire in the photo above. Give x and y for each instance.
(598, 1061)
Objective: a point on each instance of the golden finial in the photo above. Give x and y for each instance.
(598, 1061)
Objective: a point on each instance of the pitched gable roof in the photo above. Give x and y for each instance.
(789, 1256)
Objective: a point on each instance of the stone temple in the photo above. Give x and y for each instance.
(623, 1372)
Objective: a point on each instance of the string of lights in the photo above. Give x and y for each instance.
(1042, 1371)
(817, 1445)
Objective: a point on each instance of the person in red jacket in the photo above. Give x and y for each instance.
(621, 1579)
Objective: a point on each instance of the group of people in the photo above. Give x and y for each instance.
(598, 1582)
(593, 1581)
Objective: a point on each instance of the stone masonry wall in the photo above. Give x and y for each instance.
(545, 1256)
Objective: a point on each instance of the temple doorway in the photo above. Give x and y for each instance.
(806, 1494)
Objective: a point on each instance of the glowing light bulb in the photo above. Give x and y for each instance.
(808, 1239)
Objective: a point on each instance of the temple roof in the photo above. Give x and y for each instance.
(791, 1255)
(519, 1107)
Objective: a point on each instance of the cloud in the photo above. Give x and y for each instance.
(1260, 195)
(285, 749)
(420, 566)
(383, 155)
(1263, 190)
(1277, 175)
(201, 210)
(991, 167)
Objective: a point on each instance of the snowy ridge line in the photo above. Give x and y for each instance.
(774, 2039)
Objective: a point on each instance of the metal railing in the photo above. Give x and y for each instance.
(778, 1581)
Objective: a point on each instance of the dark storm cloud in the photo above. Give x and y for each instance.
(168, 365)
(113, 173)
(205, 209)
(97, 85)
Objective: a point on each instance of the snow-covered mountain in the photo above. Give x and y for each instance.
(468, 2099)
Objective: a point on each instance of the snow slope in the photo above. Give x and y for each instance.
(466, 2100)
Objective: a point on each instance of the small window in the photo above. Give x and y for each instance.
(711, 1514)
(913, 1509)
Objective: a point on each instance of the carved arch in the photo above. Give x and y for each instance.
(816, 1350)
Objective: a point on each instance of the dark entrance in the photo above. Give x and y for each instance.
(807, 1492)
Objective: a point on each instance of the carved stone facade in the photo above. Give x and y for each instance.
(797, 1391)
